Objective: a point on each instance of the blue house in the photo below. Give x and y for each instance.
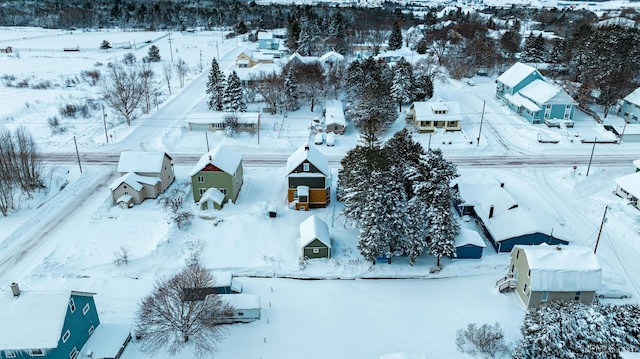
(266, 41)
(530, 95)
(45, 324)
(469, 245)
(509, 215)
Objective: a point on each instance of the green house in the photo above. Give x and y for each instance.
(220, 169)
(46, 324)
(315, 241)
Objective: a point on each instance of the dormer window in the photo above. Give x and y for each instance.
(305, 167)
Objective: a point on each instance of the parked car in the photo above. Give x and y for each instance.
(331, 139)
(319, 139)
(613, 293)
(470, 82)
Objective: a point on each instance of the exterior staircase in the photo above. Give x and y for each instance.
(506, 283)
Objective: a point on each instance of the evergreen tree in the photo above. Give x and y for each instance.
(533, 50)
(154, 54)
(375, 100)
(353, 80)
(233, 95)
(293, 33)
(395, 39)
(290, 92)
(216, 87)
(422, 46)
(402, 86)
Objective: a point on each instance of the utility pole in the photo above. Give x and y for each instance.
(77, 153)
(600, 231)
(170, 48)
(104, 120)
(591, 157)
(429, 146)
(200, 60)
(622, 134)
(206, 136)
(481, 120)
(217, 52)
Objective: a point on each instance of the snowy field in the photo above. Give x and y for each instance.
(65, 237)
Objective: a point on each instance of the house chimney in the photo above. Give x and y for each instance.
(491, 212)
(502, 184)
(15, 289)
(306, 146)
(209, 157)
(558, 248)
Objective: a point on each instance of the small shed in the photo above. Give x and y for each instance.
(469, 245)
(6, 50)
(108, 341)
(314, 238)
(629, 188)
(246, 307)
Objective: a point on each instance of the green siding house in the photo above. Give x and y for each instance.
(220, 169)
(47, 324)
(315, 241)
(532, 96)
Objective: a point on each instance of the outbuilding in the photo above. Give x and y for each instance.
(469, 245)
(246, 307)
(314, 238)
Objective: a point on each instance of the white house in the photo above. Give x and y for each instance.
(429, 115)
(335, 120)
(630, 109)
(143, 175)
(217, 121)
(629, 188)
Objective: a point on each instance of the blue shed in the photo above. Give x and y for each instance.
(469, 245)
(47, 324)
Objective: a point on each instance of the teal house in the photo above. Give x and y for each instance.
(217, 178)
(45, 324)
(532, 96)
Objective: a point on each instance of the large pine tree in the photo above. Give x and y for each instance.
(233, 95)
(395, 39)
(291, 95)
(403, 83)
(216, 87)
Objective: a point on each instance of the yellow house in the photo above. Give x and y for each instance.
(245, 59)
(436, 114)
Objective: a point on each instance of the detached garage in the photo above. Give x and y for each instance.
(469, 245)
(314, 238)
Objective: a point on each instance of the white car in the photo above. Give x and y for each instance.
(330, 140)
(470, 82)
(319, 139)
(614, 293)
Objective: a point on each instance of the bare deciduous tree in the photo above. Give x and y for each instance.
(172, 317)
(486, 340)
(123, 90)
(181, 67)
(147, 79)
(167, 73)
(271, 87)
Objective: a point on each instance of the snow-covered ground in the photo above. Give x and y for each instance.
(65, 236)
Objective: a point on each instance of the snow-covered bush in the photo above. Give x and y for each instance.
(486, 340)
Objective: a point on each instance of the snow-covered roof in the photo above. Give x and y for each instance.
(562, 268)
(34, 319)
(516, 73)
(245, 73)
(631, 129)
(521, 101)
(468, 236)
(106, 340)
(331, 54)
(263, 35)
(242, 301)
(124, 198)
(542, 92)
(634, 97)
(511, 217)
(637, 164)
(314, 228)
(212, 194)
(403, 355)
(334, 113)
(131, 161)
(302, 190)
(222, 278)
(134, 181)
(303, 59)
(630, 183)
(220, 117)
(426, 110)
(308, 152)
(616, 21)
(222, 157)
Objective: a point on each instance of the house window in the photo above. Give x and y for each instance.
(577, 297)
(517, 254)
(529, 273)
(66, 336)
(9, 354)
(74, 353)
(86, 308)
(202, 190)
(545, 296)
(200, 179)
(91, 330)
(241, 314)
(126, 192)
(36, 353)
(223, 191)
(512, 267)
(515, 274)
(568, 106)
(72, 305)
(305, 167)
(525, 288)
(316, 251)
(335, 128)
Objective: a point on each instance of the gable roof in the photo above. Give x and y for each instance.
(134, 181)
(331, 54)
(264, 35)
(308, 152)
(425, 110)
(137, 161)
(33, 320)
(516, 73)
(303, 59)
(468, 236)
(542, 92)
(314, 228)
(634, 97)
(212, 194)
(562, 268)
(630, 183)
(222, 157)
(333, 113)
